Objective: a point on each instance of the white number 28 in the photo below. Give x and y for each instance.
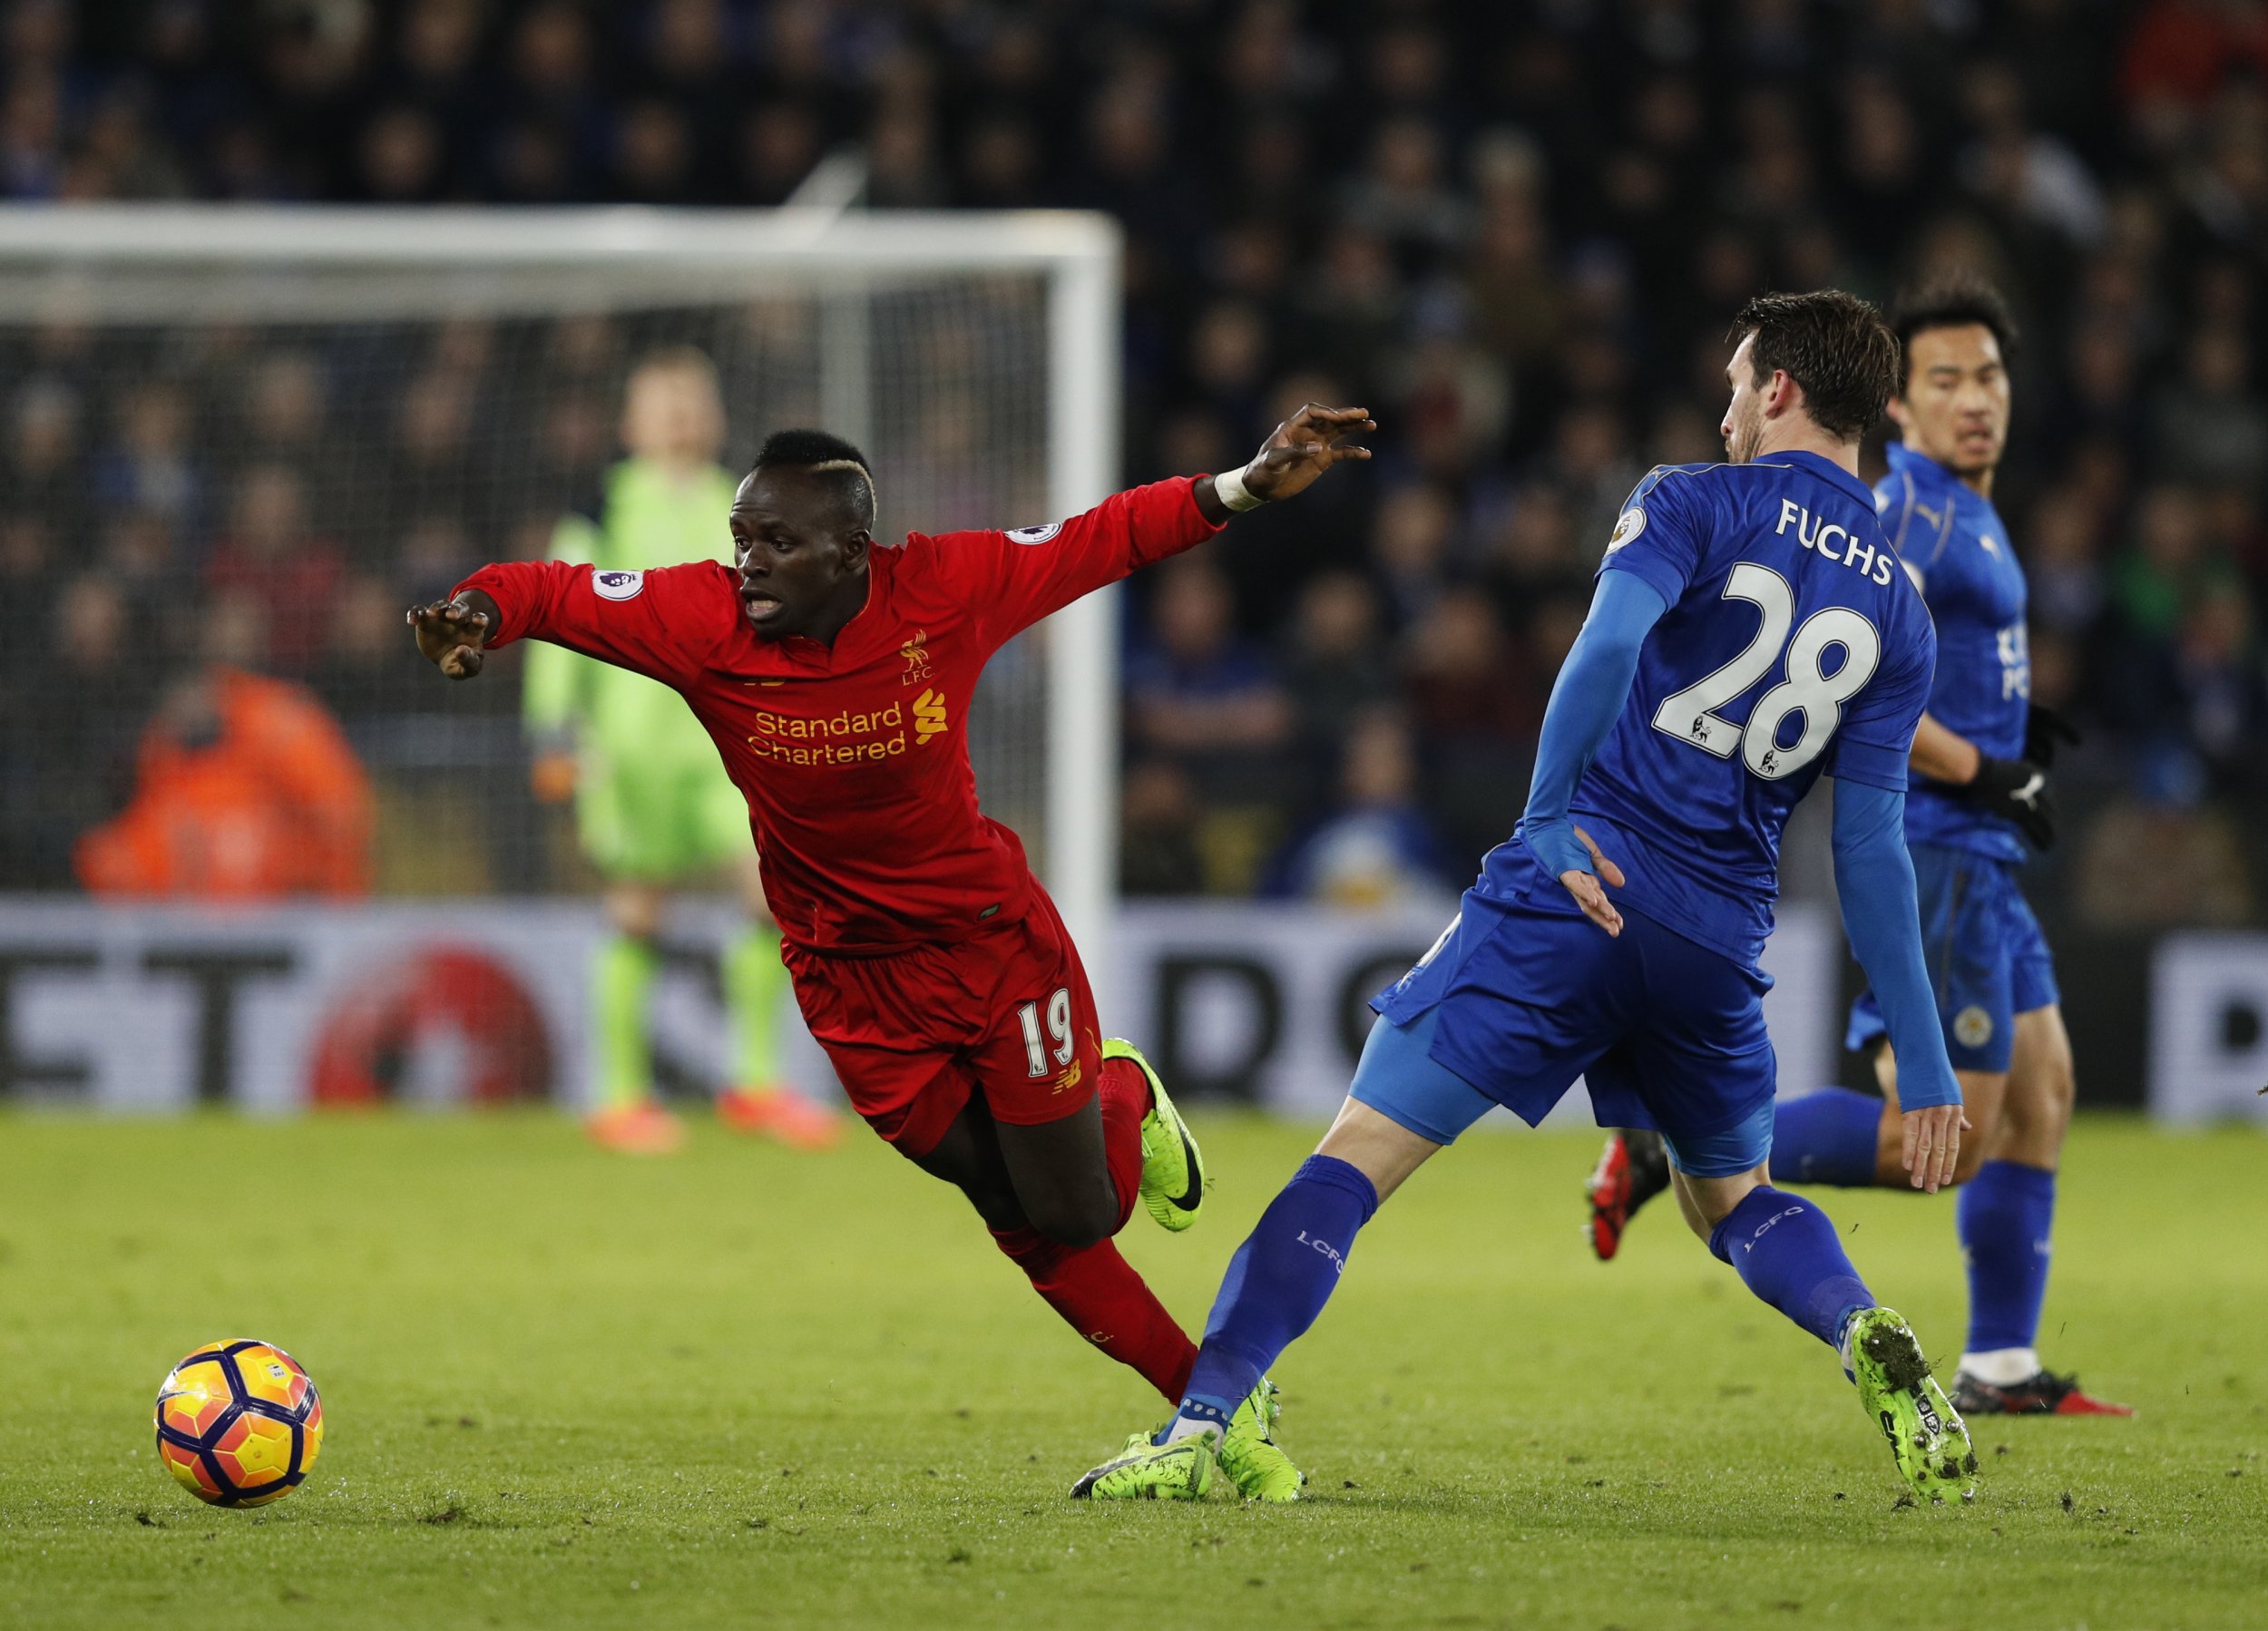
(1691, 714)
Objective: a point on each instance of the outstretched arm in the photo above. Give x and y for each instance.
(1874, 881)
(1015, 579)
(1586, 700)
(663, 623)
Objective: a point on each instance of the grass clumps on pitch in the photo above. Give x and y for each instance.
(747, 1387)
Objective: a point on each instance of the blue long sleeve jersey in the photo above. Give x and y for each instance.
(1955, 548)
(1750, 631)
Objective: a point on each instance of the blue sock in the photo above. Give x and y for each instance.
(1786, 1251)
(1829, 1136)
(1278, 1282)
(2006, 1214)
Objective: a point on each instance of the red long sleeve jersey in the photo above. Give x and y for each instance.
(854, 757)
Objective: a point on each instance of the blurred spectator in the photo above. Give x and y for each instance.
(2209, 428)
(1197, 691)
(149, 468)
(1335, 665)
(1464, 682)
(271, 555)
(1411, 548)
(2062, 563)
(1377, 847)
(1158, 849)
(1476, 706)
(2220, 681)
(245, 787)
(43, 449)
(92, 692)
(365, 668)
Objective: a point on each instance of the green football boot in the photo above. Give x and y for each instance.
(1250, 1455)
(1181, 1470)
(1925, 1432)
(1173, 1172)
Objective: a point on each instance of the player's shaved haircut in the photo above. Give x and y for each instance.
(1832, 344)
(1952, 303)
(826, 454)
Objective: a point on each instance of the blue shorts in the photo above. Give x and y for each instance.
(1521, 998)
(1987, 959)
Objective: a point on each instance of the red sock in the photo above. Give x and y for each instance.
(1101, 1298)
(1124, 1091)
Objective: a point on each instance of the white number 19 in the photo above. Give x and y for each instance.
(1059, 1026)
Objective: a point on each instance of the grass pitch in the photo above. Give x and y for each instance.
(743, 1387)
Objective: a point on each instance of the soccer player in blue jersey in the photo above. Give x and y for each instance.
(1750, 632)
(1981, 758)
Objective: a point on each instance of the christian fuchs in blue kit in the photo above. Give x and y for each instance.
(1750, 631)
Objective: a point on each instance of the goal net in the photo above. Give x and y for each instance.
(256, 435)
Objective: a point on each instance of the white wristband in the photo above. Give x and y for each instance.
(1233, 492)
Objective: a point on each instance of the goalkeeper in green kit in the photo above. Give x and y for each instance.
(653, 805)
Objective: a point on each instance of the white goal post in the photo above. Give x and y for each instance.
(134, 265)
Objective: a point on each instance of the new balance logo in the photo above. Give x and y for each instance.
(929, 716)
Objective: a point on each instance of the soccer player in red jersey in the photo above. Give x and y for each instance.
(835, 675)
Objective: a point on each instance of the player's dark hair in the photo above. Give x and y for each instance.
(1952, 303)
(1832, 344)
(830, 457)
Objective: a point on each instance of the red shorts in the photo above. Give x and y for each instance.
(1007, 1016)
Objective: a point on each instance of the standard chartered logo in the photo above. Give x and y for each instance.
(848, 737)
(929, 716)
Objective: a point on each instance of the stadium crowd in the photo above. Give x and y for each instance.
(1514, 229)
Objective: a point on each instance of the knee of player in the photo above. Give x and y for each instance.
(2038, 1111)
(1076, 1222)
(1970, 1156)
(2046, 1089)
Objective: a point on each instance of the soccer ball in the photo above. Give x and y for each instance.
(239, 1423)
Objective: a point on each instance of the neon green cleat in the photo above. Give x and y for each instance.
(1173, 1172)
(1925, 1432)
(1181, 1470)
(1250, 1455)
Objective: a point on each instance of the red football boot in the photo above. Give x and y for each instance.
(2042, 1393)
(1632, 1170)
(780, 1113)
(641, 1128)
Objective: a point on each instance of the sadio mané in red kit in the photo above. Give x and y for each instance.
(927, 960)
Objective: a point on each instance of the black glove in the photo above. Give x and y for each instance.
(2017, 790)
(2043, 728)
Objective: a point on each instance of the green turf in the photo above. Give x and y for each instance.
(742, 1387)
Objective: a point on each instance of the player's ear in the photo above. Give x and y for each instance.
(854, 544)
(1783, 396)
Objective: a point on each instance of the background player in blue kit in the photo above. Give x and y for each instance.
(1750, 631)
(1982, 757)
